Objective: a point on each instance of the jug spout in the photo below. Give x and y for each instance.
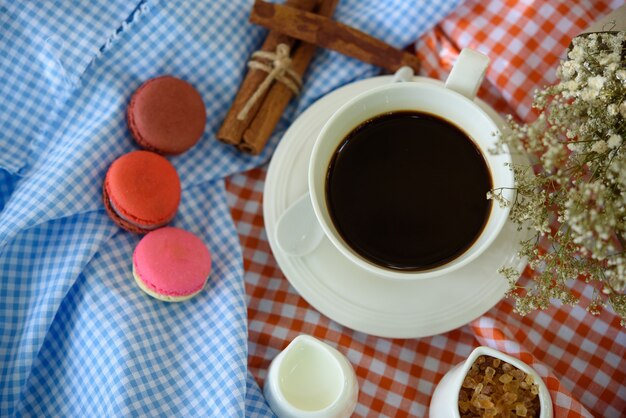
(311, 379)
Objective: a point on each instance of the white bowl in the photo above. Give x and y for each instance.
(444, 402)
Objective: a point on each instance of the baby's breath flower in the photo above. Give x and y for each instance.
(571, 85)
(575, 202)
(589, 94)
(599, 147)
(577, 54)
(596, 83)
(567, 71)
(614, 141)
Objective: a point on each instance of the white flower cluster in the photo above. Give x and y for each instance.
(579, 185)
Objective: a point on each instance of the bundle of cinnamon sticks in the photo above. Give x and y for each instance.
(301, 26)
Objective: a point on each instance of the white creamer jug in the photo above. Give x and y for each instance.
(310, 379)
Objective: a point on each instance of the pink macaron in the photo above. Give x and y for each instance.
(171, 264)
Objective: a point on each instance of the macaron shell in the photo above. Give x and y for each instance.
(122, 223)
(166, 115)
(144, 188)
(159, 296)
(172, 263)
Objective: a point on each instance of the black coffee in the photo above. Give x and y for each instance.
(407, 191)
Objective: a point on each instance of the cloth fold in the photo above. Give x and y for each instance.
(77, 338)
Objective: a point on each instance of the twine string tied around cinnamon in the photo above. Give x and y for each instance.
(279, 69)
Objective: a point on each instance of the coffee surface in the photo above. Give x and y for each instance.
(407, 191)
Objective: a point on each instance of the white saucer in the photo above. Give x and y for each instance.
(353, 297)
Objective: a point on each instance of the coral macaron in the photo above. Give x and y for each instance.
(171, 264)
(141, 191)
(166, 115)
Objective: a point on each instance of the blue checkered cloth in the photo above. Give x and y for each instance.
(77, 337)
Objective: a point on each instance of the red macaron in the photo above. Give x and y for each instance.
(166, 115)
(141, 191)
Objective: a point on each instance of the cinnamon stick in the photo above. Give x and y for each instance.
(325, 32)
(232, 129)
(260, 129)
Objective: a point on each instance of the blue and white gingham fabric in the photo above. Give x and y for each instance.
(77, 337)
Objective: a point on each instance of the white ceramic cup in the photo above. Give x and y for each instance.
(453, 103)
(310, 379)
(445, 400)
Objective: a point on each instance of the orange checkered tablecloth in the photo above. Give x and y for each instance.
(582, 358)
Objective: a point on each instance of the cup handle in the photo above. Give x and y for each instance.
(403, 74)
(468, 73)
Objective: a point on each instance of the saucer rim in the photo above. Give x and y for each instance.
(328, 302)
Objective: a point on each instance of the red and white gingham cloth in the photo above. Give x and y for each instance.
(582, 358)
